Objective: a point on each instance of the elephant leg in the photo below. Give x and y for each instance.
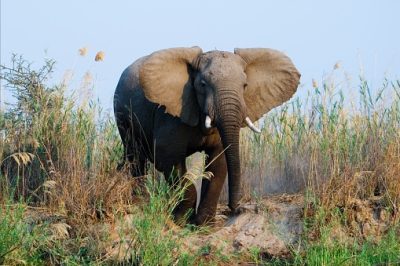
(134, 143)
(138, 162)
(211, 189)
(124, 133)
(177, 181)
(135, 157)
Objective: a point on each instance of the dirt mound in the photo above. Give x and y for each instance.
(269, 226)
(369, 217)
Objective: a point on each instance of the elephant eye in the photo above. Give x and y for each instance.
(245, 86)
(203, 83)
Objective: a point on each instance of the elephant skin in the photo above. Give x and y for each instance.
(178, 101)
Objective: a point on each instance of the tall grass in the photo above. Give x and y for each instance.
(59, 154)
(75, 147)
(329, 145)
(72, 150)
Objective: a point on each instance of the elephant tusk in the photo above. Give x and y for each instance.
(208, 122)
(252, 126)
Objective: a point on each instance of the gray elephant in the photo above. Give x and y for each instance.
(175, 102)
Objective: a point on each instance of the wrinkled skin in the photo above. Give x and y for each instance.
(178, 101)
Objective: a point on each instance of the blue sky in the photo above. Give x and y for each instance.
(362, 35)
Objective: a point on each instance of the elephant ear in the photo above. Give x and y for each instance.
(272, 79)
(166, 80)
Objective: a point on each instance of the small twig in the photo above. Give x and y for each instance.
(9, 251)
(216, 157)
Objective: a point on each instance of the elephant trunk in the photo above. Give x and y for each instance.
(228, 124)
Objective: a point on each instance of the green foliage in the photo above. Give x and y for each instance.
(19, 242)
(155, 244)
(328, 252)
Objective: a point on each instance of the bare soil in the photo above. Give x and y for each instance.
(272, 226)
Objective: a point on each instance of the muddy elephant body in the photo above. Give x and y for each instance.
(175, 102)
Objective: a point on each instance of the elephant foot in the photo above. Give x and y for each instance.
(200, 221)
(243, 208)
(236, 211)
(182, 215)
(120, 166)
(204, 218)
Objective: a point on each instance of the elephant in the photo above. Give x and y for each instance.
(178, 101)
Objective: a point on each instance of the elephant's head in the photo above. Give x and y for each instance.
(220, 89)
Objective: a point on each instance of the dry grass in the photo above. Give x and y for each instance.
(74, 150)
(329, 148)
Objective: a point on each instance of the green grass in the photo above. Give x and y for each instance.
(59, 154)
(385, 252)
(155, 244)
(325, 251)
(19, 242)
